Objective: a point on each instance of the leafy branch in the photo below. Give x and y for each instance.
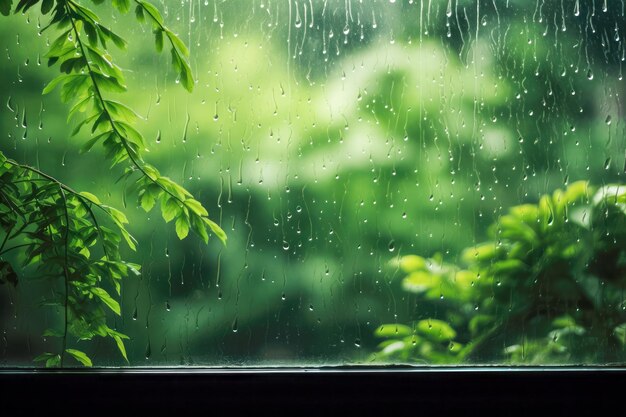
(56, 226)
(88, 72)
(551, 279)
(60, 230)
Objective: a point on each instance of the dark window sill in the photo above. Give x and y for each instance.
(465, 390)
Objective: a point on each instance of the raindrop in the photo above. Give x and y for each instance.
(298, 22)
(235, 325)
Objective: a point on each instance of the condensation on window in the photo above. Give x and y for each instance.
(422, 182)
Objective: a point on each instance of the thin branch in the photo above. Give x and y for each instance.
(2, 252)
(66, 273)
(6, 238)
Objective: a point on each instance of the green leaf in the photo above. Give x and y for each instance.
(199, 227)
(80, 106)
(54, 83)
(158, 40)
(186, 77)
(180, 45)
(52, 333)
(117, 215)
(169, 208)
(129, 239)
(421, 281)
(46, 6)
(92, 33)
(106, 33)
(131, 134)
(5, 7)
(53, 361)
(152, 11)
(182, 227)
(139, 14)
(121, 111)
(147, 201)
(196, 207)
(152, 172)
(104, 64)
(87, 14)
(221, 235)
(60, 46)
(108, 82)
(75, 87)
(107, 299)
(80, 356)
(393, 330)
(411, 263)
(44, 357)
(436, 330)
(120, 346)
(91, 142)
(24, 5)
(90, 197)
(122, 5)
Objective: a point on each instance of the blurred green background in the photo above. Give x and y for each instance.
(328, 138)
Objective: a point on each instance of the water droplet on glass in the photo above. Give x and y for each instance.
(148, 351)
(235, 325)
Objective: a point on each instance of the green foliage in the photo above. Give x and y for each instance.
(88, 73)
(61, 236)
(546, 289)
(56, 227)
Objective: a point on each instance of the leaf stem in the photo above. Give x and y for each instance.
(6, 238)
(2, 252)
(66, 273)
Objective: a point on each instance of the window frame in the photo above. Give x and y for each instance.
(507, 390)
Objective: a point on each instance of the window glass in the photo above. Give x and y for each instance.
(399, 181)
